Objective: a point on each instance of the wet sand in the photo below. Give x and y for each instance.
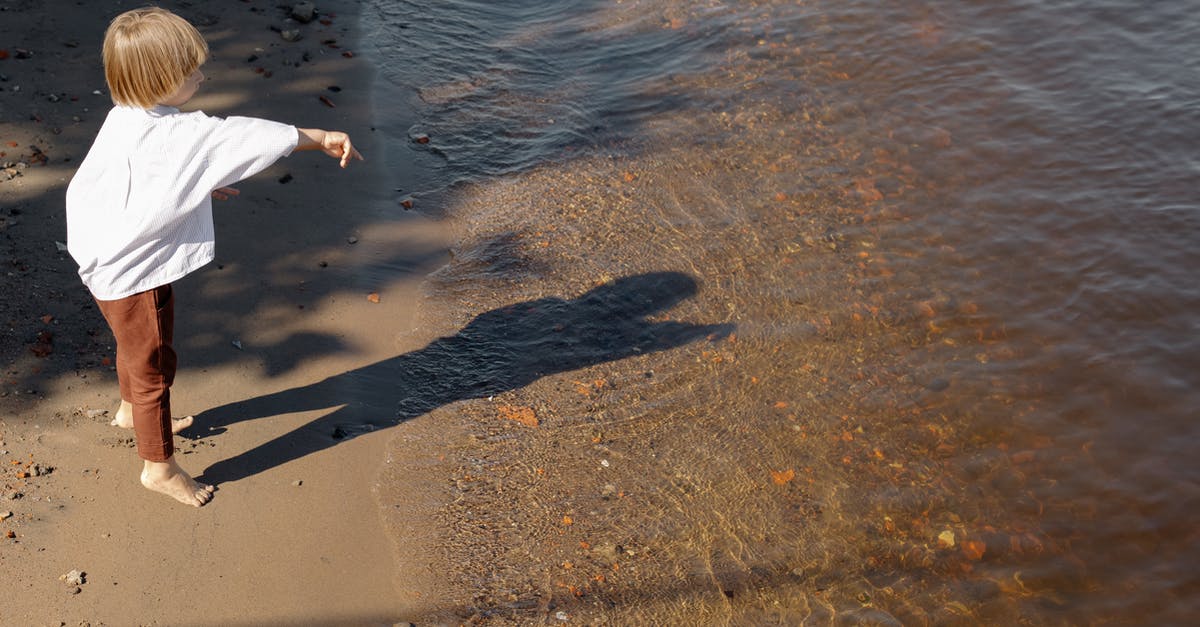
(286, 540)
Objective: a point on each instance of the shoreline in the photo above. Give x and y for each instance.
(289, 537)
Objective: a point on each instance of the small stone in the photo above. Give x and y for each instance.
(74, 578)
(351, 240)
(323, 264)
(421, 138)
(609, 491)
(74, 590)
(5, 515)
(286, 178)
(304, 12)
(298, 482)
(237, 344)
(96, 413)
(560, 615)
(607, 551)
(290, 34)
(946, 539)
(604, 462)
(407, 203)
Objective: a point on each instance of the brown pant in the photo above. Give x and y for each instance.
(144, 325)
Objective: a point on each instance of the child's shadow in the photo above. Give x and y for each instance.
(499, 350)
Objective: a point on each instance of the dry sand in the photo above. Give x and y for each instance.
(286, 540)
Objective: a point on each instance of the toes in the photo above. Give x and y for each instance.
(179, 424)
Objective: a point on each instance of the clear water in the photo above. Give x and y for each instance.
(956, 242)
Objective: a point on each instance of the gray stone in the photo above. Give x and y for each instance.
(304, 12)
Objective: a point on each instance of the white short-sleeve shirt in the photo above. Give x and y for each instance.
(139, 209)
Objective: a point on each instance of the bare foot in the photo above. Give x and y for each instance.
(124, 419)
(169, 479)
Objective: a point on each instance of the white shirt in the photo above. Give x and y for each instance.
(139, 209)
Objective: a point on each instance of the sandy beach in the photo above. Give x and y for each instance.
(754, 313)
(284, 305)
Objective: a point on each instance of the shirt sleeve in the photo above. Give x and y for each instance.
(236, 148)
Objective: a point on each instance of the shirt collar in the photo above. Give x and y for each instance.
(161, 110)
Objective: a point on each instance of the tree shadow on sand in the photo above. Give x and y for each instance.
(499, 350)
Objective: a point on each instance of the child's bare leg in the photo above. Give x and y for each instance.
(169, 479)
(124, 418)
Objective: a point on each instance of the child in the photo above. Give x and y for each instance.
(139, 213)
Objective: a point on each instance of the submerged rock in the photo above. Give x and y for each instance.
(304, 12)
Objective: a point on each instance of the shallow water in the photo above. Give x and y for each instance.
(954, 243)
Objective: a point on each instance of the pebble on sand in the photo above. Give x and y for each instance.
(74, 578)
(304, 12)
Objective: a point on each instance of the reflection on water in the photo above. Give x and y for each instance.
(956, 241)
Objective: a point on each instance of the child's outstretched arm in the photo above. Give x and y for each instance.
(336, 144)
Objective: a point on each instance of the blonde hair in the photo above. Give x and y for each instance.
(148, 53)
